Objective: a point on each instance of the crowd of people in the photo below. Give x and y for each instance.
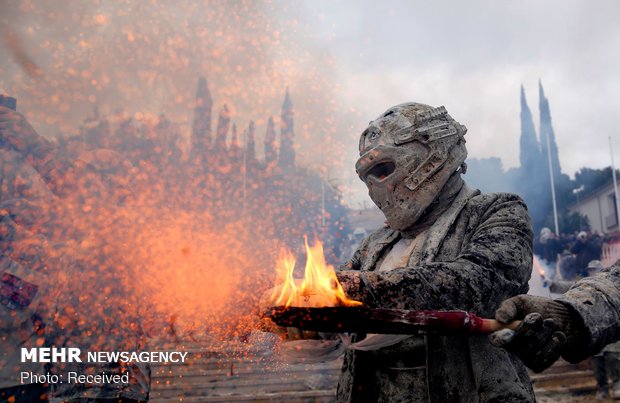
(568, 255)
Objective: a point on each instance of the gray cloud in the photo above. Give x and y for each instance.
(472, 57)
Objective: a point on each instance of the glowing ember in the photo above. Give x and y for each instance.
(151, 212)
(319, 288)
(538, 266)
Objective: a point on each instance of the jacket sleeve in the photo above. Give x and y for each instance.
(495, 263)
(355, 262)
(559, 286)
(596, 300)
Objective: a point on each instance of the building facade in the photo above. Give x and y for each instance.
(600, 208)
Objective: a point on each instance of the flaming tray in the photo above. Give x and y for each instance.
(386, 321)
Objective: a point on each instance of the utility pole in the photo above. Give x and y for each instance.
(613, 171)
(555, 209)
(576, 193)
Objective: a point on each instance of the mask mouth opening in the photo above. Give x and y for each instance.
(381, 171)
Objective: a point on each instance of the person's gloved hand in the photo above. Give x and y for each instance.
(547, 328)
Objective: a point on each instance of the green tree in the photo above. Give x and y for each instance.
(592, 179)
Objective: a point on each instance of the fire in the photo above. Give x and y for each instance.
(320, 286)
(538, 266)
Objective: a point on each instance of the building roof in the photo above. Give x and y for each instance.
(601, 190)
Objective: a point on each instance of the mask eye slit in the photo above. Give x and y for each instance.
(382, 170)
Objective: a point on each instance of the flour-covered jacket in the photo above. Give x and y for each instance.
(476, 252)
(596, 299)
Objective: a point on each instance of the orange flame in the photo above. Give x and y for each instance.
(320, 286)
(538, 266)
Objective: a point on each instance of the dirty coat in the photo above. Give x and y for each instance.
(478, 254)
(596, 299)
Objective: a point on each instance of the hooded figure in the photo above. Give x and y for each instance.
(446, 247)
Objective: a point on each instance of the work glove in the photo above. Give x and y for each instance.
(548, 328)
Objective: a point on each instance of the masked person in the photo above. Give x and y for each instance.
(446, 247)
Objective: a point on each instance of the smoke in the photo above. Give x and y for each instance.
(14, 44)
(145, 58)
(141, 226)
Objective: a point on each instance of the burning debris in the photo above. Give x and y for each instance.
(131, 231)
(168, 219)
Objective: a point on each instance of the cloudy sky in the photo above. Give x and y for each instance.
(472, 57)
(344, 62)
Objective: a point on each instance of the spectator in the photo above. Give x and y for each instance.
(549, 250)
(585, 250)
